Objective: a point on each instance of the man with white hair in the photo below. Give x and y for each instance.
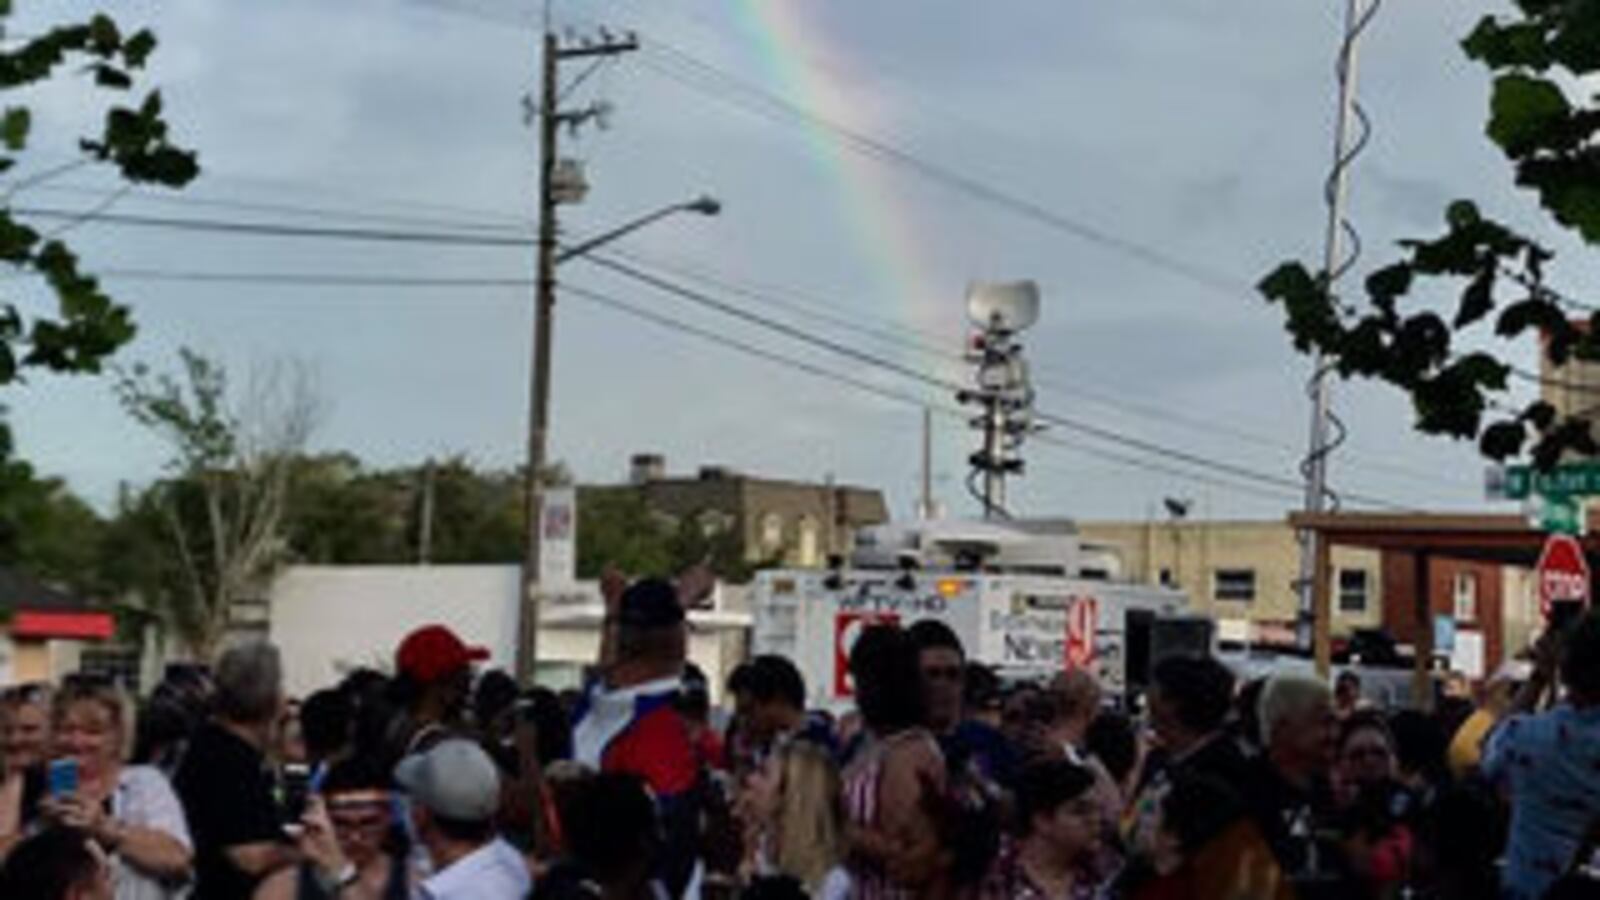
(224, 783)
(1289, 795)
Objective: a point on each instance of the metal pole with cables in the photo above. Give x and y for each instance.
(1351, 131)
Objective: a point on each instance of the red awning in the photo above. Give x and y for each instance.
(68, 625)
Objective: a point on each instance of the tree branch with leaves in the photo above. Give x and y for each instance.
(1496, 273)
(86, 325)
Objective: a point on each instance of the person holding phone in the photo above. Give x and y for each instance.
(129, 811)
(348, 841)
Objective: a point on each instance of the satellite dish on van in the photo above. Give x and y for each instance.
(1006, 306)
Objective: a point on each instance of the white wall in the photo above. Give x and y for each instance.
(330, 619)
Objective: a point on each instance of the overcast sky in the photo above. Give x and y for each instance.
(1200, 128)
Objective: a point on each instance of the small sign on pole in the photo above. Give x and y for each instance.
(558, 552)
(1562, 573)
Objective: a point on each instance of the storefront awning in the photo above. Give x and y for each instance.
(42, 625)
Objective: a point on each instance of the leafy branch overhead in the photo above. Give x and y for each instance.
(1496, 274)
(82, 325)
(88, 326)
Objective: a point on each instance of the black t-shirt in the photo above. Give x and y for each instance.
(227, 794)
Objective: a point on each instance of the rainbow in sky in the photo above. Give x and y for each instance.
(881, 228)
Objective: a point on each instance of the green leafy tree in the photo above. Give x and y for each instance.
(342, 514)
(1547, 127)
(616, 528)
(223, 505)
(47, 530)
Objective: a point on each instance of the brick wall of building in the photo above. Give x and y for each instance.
(1488, 613)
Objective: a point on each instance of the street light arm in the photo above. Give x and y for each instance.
(705, 206)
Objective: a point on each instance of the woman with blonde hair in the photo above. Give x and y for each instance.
(795, 802)
(130, 811)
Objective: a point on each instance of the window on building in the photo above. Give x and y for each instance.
(1166, 578)
(771, 533)
(1464, 590)
(714, 522)
(1238, 585)
(1353, 590)
(807, 553)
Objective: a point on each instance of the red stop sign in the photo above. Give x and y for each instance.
(1563, 573)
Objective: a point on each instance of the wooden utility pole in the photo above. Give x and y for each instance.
(425, 526)
(551, 118)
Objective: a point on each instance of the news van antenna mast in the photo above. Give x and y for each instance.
(1003, 395)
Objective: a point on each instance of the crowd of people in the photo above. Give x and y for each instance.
(438, 780)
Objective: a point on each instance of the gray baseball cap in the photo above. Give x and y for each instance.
(455, 779)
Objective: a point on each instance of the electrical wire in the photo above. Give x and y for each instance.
(358, 234)
(512, 223)
(923, 343)
(749, 349)
(274, 229)
(1284, 486)
(1100, 432)
(717, 83)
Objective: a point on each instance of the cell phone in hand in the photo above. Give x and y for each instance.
(1563, 614)
(296, 787)
(62, 777)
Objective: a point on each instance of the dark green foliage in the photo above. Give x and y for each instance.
(42, 527)
(1495, 273)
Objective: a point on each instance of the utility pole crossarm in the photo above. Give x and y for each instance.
(609, 47)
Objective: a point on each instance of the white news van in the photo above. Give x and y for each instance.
(1024, 597)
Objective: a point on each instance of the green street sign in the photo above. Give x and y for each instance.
(1562, 516)
(1570, 480)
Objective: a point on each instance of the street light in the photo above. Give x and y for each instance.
(703, 205)
(539, 419)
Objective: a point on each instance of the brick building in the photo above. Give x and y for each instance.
(1242, 574)
(790, 522)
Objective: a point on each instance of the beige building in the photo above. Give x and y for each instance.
(1242, 573)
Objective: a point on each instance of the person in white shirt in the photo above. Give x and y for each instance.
(455, 790)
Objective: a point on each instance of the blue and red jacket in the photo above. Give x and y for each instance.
(638, 730)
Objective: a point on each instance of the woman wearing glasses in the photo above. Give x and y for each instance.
(351, 846)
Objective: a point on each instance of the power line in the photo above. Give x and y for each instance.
(316, 279)
(345, 280)
(682, 327)
(274, 229)
(719, 84)
(450, 239)
(712, 81)
(899, 396)
(864, 357)
(510, 223)
(914, 340)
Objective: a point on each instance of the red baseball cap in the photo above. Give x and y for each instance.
(433, 652)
